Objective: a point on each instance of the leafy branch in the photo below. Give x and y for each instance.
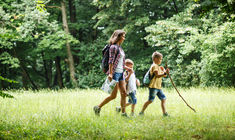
(6, 95)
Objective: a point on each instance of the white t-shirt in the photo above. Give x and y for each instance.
(131, 86)
(119, 68)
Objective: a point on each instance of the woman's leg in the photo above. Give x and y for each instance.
(112, 96)
(122, 88)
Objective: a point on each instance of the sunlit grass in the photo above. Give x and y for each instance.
(68, 114)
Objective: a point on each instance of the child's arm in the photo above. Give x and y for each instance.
(155, 71)
(125, 74)
(163, 69)
(128, 76)
(128, 69)
(137, 82)
(158, 75)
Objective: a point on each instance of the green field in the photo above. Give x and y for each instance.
(68, 114)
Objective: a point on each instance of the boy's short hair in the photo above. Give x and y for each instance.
(129, 61)
(156, 54)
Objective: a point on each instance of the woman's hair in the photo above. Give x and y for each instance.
(156, 54)
(129, 61)
(116, 36)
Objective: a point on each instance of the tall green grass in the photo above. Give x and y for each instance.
(68, 114)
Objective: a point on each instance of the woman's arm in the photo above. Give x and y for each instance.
(110, 76)
(112, 53)
(111, 69)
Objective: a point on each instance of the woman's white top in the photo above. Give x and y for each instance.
(131, 86)
(119, 68)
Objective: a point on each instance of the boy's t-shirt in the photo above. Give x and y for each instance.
(156, 82)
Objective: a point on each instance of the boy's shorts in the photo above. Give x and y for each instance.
(132, 98)
(118, 76)
(153, 92)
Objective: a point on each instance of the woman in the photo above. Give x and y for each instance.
(116, 70)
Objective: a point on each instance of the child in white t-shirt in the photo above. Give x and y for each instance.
(131, 82)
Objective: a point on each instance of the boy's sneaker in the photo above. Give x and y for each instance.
(141, 114)
(97, 110)
(166, 115)
(118, 109)
(124, 115)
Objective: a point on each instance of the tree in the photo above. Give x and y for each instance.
(34, 42)
(69, 53)
(198, 47)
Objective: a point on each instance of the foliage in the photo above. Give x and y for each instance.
(195, 37)
(6, 95)
(199, 50)
(7, 80)
(89, 72)
(220, 64)
(30, 42)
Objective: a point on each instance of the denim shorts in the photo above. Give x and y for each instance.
(118, 76)
(132, 98)
(153, 92)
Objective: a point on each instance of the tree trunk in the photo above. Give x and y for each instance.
(46, 71)
(175, 6)
(165, 13)
(55, 80)
(25, 71)
(24, 80)
(49, 71)
(72, 13)
(58, 72)
(69, 53)
(3, 85)
(28, 77)
(73, 31)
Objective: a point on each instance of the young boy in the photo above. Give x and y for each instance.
(155, 83)
(131, 83)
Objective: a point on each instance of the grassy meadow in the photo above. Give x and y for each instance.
(68, 114)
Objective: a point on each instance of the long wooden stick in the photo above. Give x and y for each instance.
(178, 91)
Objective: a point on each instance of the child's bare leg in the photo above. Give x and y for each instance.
(146, 105)
(133, 108)
(112, 96)
(127, 104)
(163, 102)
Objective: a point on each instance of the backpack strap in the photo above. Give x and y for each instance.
(117, 52)
(151, 76)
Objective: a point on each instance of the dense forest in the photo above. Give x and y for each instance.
(57, 43)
